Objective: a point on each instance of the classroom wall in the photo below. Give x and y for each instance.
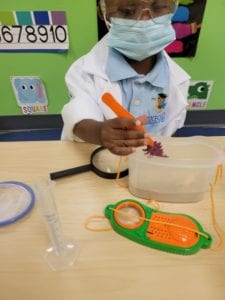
(208, 64)
(50, 67)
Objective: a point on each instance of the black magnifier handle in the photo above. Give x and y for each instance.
(72, 171)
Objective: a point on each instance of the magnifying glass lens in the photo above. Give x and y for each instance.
(129, 216)
(107, 162)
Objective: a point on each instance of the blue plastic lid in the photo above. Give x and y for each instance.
(16, 201)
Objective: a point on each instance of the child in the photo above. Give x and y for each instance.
(130, 63)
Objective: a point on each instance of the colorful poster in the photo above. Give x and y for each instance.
(187, 23)
(33, 31)
(30, 94)
(199, 93)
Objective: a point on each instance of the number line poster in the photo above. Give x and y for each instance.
(33, 31)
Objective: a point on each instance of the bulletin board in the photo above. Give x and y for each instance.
(49, 67)
(207, 64)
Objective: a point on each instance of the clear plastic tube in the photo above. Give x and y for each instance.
(62, 252)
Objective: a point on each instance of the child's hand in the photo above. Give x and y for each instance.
(120, 137)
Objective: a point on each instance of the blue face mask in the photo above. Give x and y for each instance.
(140, 39)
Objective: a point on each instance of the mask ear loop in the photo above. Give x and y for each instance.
(107, 23)
(103, 9)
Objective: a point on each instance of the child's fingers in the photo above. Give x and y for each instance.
(122, 150)
(127, 135)
(124, 123)
(125, 147)
(130, 143)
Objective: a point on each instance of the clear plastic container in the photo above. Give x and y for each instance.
(184, 176)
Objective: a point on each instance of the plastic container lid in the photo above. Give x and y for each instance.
(16, 201)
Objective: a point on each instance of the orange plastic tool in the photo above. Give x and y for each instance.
(120, 111)
(170, 232)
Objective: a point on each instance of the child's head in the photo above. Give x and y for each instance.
(139, 28)
(137, 9)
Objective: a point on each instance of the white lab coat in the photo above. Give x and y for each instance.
(87, 80)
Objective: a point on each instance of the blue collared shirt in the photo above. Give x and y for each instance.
(145, 96)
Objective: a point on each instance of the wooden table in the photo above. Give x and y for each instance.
(109, 266)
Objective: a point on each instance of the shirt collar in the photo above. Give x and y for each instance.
(117, 68)
(159, 75)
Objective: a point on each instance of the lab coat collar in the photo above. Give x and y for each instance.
(95, 60)
(178, 75)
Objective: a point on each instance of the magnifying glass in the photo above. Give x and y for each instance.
(102, 162)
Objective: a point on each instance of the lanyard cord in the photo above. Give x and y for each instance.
(95, 218)
(159, 222)
(118, 181)
(217, 227)
(218, 177)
